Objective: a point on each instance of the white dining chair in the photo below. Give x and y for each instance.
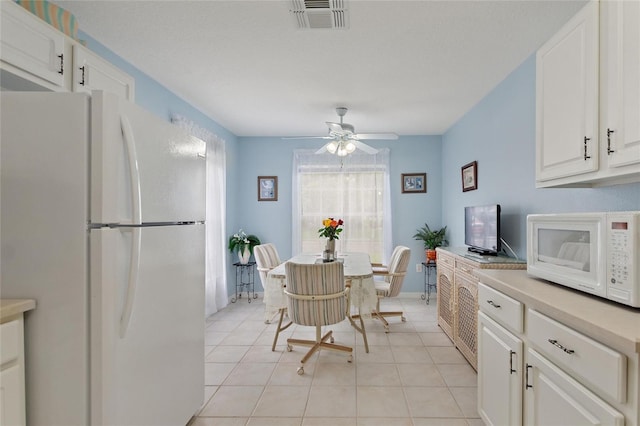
(388, 281)
(316, 296)
(267, 258)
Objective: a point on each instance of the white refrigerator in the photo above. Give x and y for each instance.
(102, 222)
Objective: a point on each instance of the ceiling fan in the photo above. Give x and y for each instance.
(344, 140)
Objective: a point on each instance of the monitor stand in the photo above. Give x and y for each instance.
(482, 252)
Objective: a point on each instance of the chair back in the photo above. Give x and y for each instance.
(316, 293)
(397, 269)
(266, 259)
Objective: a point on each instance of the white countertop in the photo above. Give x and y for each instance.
(9, 308)
(611, 323)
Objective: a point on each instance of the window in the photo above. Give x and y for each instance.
(354, 189)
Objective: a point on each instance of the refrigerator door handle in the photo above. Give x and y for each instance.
(134, 267)
(130, 144)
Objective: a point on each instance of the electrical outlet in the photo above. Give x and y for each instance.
(418, 267)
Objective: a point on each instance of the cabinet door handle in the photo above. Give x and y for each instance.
(609, 150)
(511, 354)
(526, 378)
(61, 70)
(492, 303)
(558, 345)
(586, 157)
(82, 81)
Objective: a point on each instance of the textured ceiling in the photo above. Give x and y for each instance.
(409, 67)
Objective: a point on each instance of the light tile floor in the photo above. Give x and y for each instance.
(412, 376)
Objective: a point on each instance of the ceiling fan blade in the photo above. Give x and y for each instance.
(335, 127)
(388, 136)
(363, 146)
(308, 137)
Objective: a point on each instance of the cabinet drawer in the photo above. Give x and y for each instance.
(466, 268)
(10, 344)
(444, 260)
(500, 307)
(591, 362)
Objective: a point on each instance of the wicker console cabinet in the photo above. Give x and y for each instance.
(458, 295)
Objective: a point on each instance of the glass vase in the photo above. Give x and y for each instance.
(329, 254)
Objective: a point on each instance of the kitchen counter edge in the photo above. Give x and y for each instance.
(611, 323)
(10, 308)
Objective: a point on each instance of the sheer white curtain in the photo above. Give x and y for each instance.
(355, 188)
(215, 271)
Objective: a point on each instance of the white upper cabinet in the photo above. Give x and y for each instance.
(30, 48)
(91, 72)
(588, 99)
(620, 89)
(567, 99)
(36, 56)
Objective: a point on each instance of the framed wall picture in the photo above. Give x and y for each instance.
(470, 176)
(267, 188)
(414, 182)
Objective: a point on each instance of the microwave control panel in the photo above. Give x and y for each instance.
(622, 244)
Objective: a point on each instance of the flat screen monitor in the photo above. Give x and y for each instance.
(482, 229)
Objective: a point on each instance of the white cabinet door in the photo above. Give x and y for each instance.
(499, 374)
(554, 398)
(12, 397)
(12, 400)
(567, 99)
(620, 47)
(91, 72)
(31, 46)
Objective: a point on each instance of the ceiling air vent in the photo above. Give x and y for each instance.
(320, 14)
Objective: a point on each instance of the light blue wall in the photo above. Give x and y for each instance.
(154, 97)
(271, 220)
(499, 133)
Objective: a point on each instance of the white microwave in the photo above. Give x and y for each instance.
(598, 253)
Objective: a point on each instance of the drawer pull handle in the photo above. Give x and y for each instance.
(558, 345)
(511, 354)
(82, 83)
(526, 377)
(492, 303)
(586, 157)
(609, 150)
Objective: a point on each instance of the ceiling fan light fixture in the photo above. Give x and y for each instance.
(332, 147)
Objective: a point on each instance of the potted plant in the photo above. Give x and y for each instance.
(431, 239)
(243, 244)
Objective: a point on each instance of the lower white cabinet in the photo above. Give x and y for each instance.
(12, 392)
(499, 374)
(555, 398)
(534, 370)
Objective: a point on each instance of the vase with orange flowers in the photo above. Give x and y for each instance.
(331, 229)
